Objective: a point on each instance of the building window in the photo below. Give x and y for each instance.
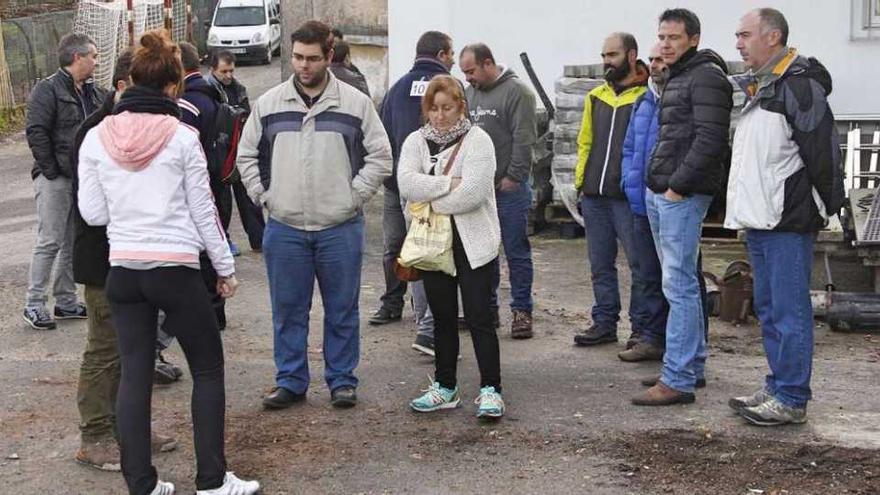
(864, 20)
(871, 14)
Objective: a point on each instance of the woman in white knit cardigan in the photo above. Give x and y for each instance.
(467, 194)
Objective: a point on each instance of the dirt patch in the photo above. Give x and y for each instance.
(679, 461)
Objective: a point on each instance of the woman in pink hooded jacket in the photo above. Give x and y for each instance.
(143, 174)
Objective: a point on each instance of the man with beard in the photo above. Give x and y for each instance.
(314, 152)
(686, 169)
(503, 106)
(606, 212)
(641, 136)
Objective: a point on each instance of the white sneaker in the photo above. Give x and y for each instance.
(163, 488)
(233, 486)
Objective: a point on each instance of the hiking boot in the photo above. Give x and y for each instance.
(662, 395)
(424, 344)
(634, 338)
(163, 488)
(78, 312)
(384, 315)
(232, 485)
(435, 398)
(490, 404)
(343, 397)
(281, 398)
(754, 400)
(521, 326)
(160, 443)
(38, 318)
(772, 412)
(103, 455)
(642, 351)
(595, 335)
(652, 380)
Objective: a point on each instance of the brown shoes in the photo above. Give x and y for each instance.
(161, 443)
(521, 327)
(103, 455)
(642, 351)
(652, 380)
(661, 395)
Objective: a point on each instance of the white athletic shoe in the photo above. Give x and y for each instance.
(233, 486)
(163, 488)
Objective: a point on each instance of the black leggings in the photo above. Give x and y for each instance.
(135, 297)
(476, 296)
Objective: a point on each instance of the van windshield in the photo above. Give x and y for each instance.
(240, 16)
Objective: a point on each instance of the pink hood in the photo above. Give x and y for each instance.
(134, 139)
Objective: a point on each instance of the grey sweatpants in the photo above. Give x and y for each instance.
(54, 245)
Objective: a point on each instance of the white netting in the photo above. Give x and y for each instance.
(106, 22)
(7, 99)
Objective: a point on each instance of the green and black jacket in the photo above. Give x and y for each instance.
(600, 141)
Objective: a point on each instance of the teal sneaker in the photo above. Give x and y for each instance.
(436, 398)
(491, 405)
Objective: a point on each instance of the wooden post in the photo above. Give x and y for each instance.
(129, 12)
(169, 17)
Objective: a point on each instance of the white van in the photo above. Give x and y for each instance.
(250, 29)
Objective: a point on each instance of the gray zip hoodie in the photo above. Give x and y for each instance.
(505, 109)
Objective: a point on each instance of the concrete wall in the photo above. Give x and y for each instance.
(364, 23)
(571, 32)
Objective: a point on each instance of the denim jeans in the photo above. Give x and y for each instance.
(54, 246)
(513, 214)
(393, 234)
(655, 310)
(294, 258)
(607, 220)
(424, 318)
(781, 265)
(677, 226)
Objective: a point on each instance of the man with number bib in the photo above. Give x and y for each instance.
(401, 114)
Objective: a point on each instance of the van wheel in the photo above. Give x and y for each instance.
(268, 58)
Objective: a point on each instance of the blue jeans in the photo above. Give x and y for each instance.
(781, 265)
(294, 258)
(513, 212)
(677, 226)
(655, 309)
(607, 220)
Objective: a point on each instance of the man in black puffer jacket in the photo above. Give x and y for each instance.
(56, 106)
(686, 170)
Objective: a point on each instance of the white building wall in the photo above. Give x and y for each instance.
(563, 32)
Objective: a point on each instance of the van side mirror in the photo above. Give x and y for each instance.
(208, 24)
(275, 21)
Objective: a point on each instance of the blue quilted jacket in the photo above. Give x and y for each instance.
(641, 136)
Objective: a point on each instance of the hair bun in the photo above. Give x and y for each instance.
(155, 41)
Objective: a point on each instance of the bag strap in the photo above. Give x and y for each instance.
(452, 157)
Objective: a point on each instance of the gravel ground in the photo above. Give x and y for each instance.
(569, 427)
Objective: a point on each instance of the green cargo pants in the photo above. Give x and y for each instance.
(99, 372)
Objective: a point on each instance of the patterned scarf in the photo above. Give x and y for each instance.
(446, 136)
